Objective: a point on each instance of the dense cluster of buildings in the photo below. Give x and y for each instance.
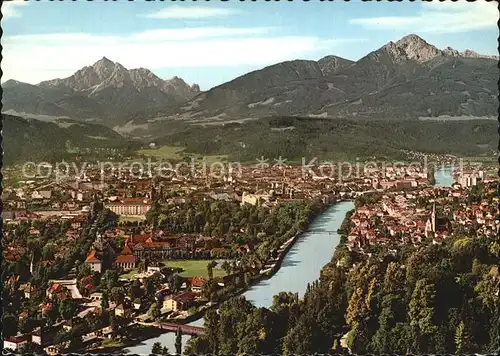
(409, 211)
(432, 214)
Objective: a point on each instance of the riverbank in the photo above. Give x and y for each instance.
(146, 332)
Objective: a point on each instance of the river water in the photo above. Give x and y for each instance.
(301, 265)
(444, 177)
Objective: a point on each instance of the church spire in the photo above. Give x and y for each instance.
(31, 264)
(433, 217)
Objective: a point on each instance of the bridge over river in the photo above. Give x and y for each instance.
(301, 265)
(320, 232)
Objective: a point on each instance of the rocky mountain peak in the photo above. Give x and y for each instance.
(11, 82)
(103, 68)
(104, 62)
(178, 85)
(470, 53)
(412, 39)
(452, 52)
(332, 64)
(473, 54)
(415, 48)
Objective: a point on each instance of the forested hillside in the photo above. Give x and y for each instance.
(294, 138)
(35, 140)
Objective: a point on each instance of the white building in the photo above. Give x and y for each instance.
(15, 343)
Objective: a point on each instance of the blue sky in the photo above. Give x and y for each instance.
(212, 42)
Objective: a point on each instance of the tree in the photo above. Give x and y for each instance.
(67, 309)
(210, 269)
(134, 290)
(300, 339)
(357, 339)
(357, 309)
(157, 348)
(109, 280)
(149, 286)
(105, 301)
(61, 336)
(178, 342)
(9, 325)
(177, 283)
(421, 314)
(117, 295)
(226, 266)
(27, 325)
(462, 339)
(154, 311)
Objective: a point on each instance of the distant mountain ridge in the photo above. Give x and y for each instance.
(104, 90)
(409, 78)
(405, 79)
(105, 73)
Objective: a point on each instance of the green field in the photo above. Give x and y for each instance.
(163, 152)
(130, 273)
(194, 268)
(175, 152)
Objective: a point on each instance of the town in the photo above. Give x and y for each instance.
(97, 261)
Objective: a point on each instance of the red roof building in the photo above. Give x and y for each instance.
(197, 284)
(125, 260)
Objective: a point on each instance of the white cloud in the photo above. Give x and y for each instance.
(33, 58)
(160, 35)
(439, 17)
(181, 34)
(191, 12)
(10, 9)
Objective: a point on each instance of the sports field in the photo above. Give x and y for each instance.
(194, 268)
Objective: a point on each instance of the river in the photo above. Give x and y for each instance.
(444, 177)
(301, 265)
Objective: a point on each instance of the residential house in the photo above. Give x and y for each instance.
(36, 337)
(197, 284)
(179, 302)
(26, 289)
(94, 261)
(155, 267)
(137, 304)
(58, 291)
(15, 343)
(123, 310)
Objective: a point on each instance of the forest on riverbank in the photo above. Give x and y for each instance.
(421, 299)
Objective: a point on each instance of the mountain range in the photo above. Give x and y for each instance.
(106, 91)
(406, 79)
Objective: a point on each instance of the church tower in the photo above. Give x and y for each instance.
(31, 264)
(433, 217)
